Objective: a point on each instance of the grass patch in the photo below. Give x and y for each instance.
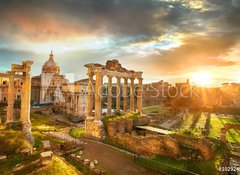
(170, 166)
(59, 167)
(155, 110)
(42, 122)
(39, 137)
(217, 123)
(12, 142)
(133, 116)
(7, 166)
(77, 133)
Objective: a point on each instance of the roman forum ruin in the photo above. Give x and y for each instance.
(113, 68)
(23, 72)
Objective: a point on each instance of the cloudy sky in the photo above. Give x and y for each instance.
(166, 39)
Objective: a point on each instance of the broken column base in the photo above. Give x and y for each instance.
(28, 133)
(94, 129)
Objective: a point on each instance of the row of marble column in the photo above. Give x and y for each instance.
(98, 95)
(25, 99)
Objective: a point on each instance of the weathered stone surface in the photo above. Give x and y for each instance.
(18, 167)
(46, 157)
(95, 162)
(129, 125)
(205, 147)
(149, 146)
(143, 120)
(26, 152)
(86, 161)
(46, 145)
(3, 158)
(92, 166)
(94, 129)
(28, 133)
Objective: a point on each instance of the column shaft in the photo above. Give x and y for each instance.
(26, 99)
(118, 94)
(109, 97)
(125, 94)
(90, 96)
(139, 95)
(98, 97)
(132, 91)
(10, 100)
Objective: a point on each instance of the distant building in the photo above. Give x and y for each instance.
(155, 93)
(52, 87)
(46, 87)
(4, 89)
(75, 98)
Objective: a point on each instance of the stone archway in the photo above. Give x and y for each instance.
(226, 128)
(23, 72)
(113, 68)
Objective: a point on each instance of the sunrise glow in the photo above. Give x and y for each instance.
(202, 78)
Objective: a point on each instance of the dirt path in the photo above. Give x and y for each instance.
(114, 161)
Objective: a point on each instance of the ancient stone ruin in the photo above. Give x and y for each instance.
(113, 68)
(23, 72)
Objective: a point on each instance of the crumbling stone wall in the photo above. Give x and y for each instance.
(205, 147)
(149, 145)
(121, 132)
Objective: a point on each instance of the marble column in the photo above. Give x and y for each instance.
(109, 97)
(118, 94)
(139, 95)
(26, 99)
(98, 96)
(132, 93)
(90, 96)
(10, 107)
(125, 94)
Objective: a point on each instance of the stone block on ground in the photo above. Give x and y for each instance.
(26, 152)
(95, 162)
(86, 161)
(3, 158)
(46, 157)
(92, 166)
(46, 145)
(18, 167)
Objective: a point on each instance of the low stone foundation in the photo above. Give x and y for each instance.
(94, 129)
(122, 132)
(148, 145)
(205, 147)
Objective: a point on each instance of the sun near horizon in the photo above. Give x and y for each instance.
(202, 78)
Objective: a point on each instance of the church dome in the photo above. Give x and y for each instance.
(51, 66)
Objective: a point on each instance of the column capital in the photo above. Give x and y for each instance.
(109, 76)
(140, 80)
(118, 77)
